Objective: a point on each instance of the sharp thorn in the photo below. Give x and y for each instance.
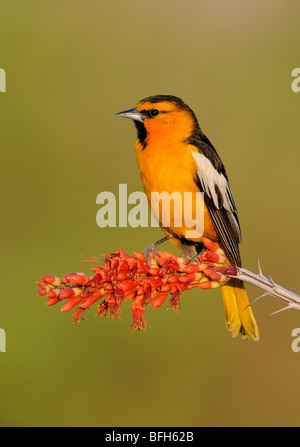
(253, 301)
(264, 294)
(280, 310)
(259, 267)
(261, 275)
(273, 283)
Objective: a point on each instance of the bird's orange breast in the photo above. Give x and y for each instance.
(168, 166)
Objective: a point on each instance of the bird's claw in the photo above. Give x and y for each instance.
(147, 253)
(196, 258)
(191, 260)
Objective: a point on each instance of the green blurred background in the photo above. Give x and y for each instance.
(70, 65)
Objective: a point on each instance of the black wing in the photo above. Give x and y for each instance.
(213, 182)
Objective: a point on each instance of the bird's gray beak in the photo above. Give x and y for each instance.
(133, 114)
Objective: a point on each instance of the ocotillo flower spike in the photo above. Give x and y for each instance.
(124, 278)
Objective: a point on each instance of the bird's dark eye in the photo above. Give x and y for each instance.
(153, 112)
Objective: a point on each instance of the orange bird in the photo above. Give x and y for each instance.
(175, 157)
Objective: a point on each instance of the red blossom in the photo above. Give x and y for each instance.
(128, 278)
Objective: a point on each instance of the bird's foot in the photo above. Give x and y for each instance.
(152, 249)
(148, 251)
(195, 258)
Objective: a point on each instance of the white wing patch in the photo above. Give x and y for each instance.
(210, 178)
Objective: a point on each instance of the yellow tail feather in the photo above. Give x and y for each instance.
(238, 313)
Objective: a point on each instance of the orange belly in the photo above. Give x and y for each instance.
(171, 169)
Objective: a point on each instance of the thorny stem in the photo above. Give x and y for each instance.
(269, 286)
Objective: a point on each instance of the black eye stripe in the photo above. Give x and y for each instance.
(149, 113)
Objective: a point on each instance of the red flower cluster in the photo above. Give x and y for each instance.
(129, 278)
